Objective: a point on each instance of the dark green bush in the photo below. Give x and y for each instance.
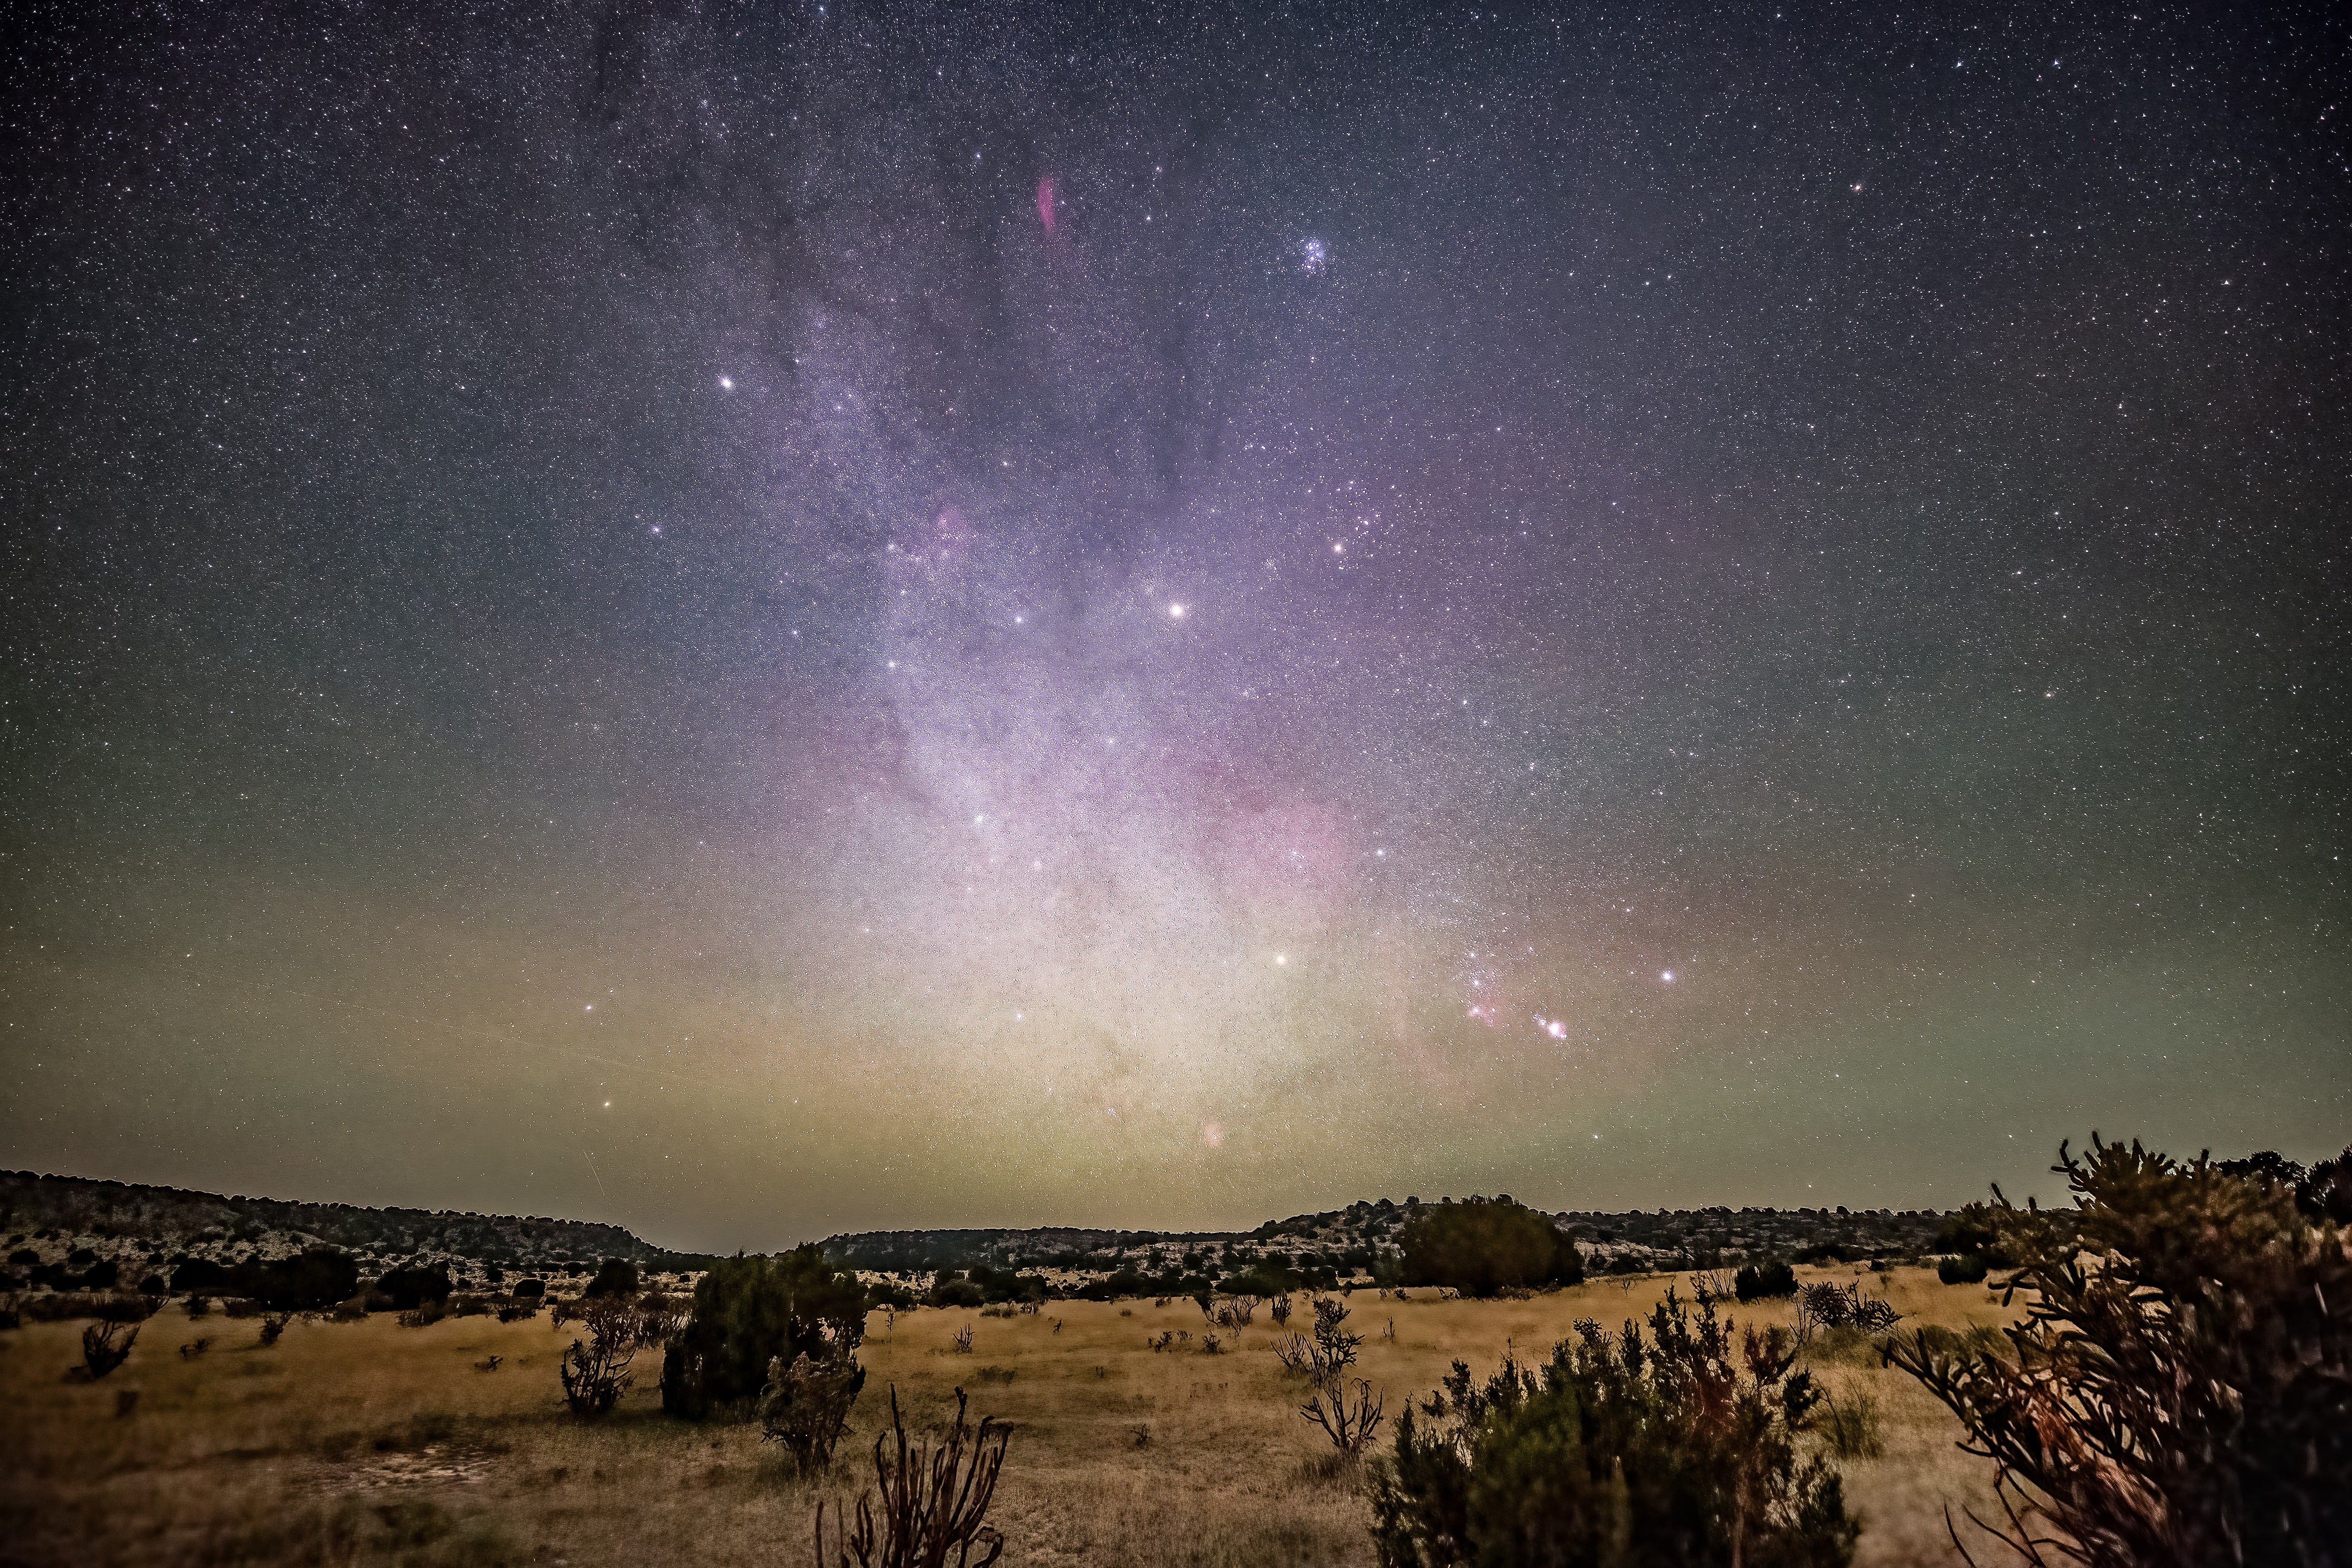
(1268, 1280)
(1677, 1448)
(949, 1291)
(199, 1275)
(530, 1290)
(748, 1312)
(1481, 1247)
(1764, 1280)
(892, 1294)
(1967, 1270)
(411, 1287)
(614, 1277)
(314, 1281)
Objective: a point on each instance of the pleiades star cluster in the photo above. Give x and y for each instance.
(761, 619)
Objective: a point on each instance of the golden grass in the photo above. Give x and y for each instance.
(370, 1443)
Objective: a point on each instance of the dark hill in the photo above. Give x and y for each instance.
(73, 1206)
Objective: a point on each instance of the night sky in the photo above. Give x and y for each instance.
(760, 619)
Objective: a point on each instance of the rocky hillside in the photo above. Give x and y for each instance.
(130, 1224)
(1351, 1242)
(63, 1227)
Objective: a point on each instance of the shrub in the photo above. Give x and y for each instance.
(1849, 1427)
(1348, 1417)
(807, 1407)
(1968, 1270)
(2183, 1401)
(413, 1286)
(1481, 1247)
(314, 1281)
(933, 1503)
(1764, 1280)
(1261, 1281)
(105, 1346)
(530, 1290)
(952, 1292)
(596, 1370)
(748, 1311)
(1842, 1307)
(311, 1281)
(614, 1277)
(1679, 1449)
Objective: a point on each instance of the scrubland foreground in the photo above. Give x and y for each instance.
(370, 1443)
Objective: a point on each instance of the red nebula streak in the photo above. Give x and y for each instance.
(1046, 203)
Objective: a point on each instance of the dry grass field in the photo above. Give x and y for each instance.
(371, 1443)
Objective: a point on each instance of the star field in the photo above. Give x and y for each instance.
(760, 620)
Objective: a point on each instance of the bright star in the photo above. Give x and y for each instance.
(1176, 612)
(1667, 975)
(726, 384)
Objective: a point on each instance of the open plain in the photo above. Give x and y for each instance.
(370, 1443)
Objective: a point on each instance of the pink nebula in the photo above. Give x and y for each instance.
(1046, 203)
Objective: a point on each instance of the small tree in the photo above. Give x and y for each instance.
(1483, 1247)
(1677, 1448)
(1763, 1280)
(805, 1406)
(748, 1311)
(614, 1277)
(411, 1287)
(2182, 1402)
